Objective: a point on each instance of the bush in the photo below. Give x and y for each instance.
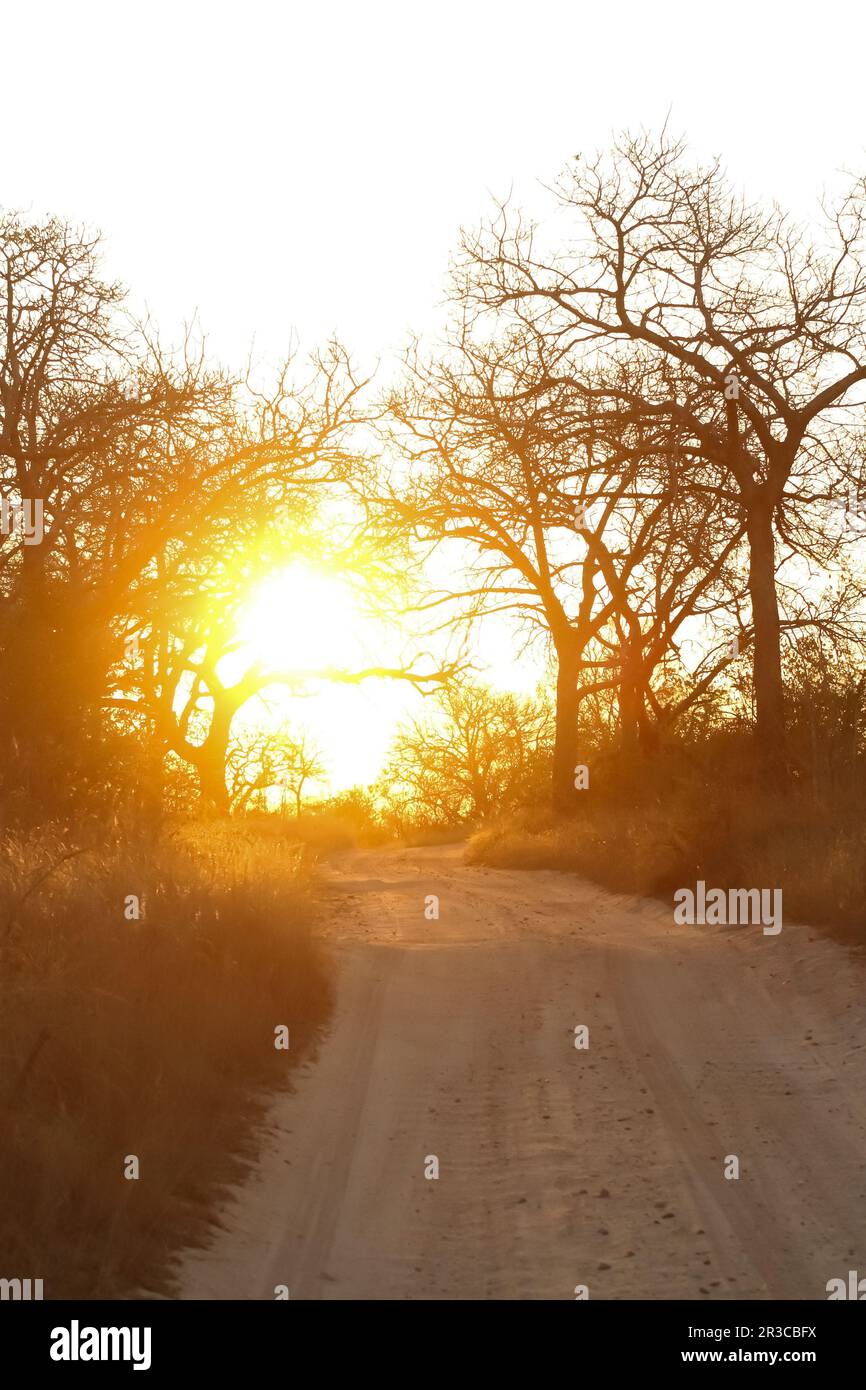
(702, 812)
(152, 1037)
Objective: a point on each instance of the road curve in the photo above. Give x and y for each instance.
(558, 1167)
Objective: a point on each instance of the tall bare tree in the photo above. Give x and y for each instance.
(573, 533)
(764, 324)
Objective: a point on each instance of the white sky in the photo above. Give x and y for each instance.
(281, 167)
(287, 170)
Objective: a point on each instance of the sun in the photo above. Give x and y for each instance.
(305, 623)
(302, 620)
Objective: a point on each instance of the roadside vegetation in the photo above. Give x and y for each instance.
(151, 1038)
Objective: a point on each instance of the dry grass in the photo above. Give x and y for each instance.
(151, 1037)
(667, 830)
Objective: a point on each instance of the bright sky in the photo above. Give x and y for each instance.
(286, 170)
(285, 166)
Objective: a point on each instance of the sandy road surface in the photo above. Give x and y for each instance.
(558, 1167)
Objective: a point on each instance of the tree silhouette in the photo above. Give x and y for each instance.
(764, 325)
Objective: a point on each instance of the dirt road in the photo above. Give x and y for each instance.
(558, 1166)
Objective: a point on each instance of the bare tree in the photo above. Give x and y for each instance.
(477, 754)
(272, 760)
(763, 324)
(573, 533)
(306, 763)
(150, 469)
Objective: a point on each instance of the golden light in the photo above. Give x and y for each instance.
(302, 620)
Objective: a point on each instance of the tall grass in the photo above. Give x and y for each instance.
(688, 813)
(152, 1038)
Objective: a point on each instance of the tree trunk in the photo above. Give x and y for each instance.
(55, 653)
(565, 743)
(211, 763)
(212, 785)
(630, 697)
(769, 694)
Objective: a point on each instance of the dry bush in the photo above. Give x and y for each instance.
(690, 815)
(152, 1037)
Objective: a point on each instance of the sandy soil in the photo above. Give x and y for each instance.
(558, 1167)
